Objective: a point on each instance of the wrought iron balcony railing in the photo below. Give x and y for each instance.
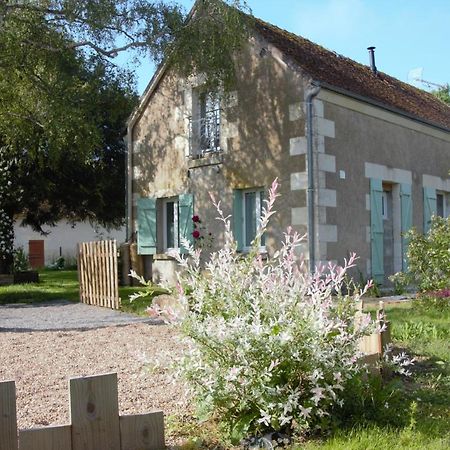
(204, 134)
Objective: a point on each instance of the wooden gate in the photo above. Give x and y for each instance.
(98, 273)
(95, 423)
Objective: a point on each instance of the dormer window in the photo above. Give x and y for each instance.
(204, 124)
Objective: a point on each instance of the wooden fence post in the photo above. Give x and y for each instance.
(142, 432)
(94, 413)
(8, 419)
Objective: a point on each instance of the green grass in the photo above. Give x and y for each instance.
(53, 285)
(63, 285)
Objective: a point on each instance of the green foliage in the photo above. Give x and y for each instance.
(20, 260)
(371, 400)
(410, 331)
(443, 94)
(430, 302)
(428, 256)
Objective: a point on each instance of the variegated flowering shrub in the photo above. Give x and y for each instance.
(271, 346)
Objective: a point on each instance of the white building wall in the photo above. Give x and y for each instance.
(63, 238)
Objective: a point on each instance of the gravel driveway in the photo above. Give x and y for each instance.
(62, 315)
(81, 340)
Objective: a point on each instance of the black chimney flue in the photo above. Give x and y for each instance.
(372, 59)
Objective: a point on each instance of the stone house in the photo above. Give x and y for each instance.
(361, 156)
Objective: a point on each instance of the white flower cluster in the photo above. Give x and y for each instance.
(271, 346)
(6, 221)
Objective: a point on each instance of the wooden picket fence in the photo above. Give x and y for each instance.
(98, 274)
(95, 421)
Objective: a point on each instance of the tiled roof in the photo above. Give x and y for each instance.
(343, 73)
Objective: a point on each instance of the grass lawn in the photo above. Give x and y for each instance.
(53, 285)
(62, 285)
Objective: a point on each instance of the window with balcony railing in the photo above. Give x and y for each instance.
(204, 129)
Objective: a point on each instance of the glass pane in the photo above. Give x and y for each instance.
(170, 225)
(250, 217)
(440, 205)
(262, 196)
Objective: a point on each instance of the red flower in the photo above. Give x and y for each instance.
(196, 219)
(196, 234)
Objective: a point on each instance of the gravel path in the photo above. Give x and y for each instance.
(62, 315)
(41, 362)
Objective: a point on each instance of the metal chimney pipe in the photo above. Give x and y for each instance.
(372, 59)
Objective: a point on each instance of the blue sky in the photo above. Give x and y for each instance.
(408, 34)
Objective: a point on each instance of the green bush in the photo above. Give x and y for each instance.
(21, 263)
(429, 257)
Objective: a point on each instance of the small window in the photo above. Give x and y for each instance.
(440, 205)
(171, 227)
(253, 202)
(204, 124)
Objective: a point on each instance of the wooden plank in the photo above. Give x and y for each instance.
(98, 259)
(8, 418)
(115, 276)
(88, 272)
(82, 269)
(371, 344)
(80, 284)
(106, 274)
(47, 438)
(142, 432)
(92, 274)
(94, 413)
(108, 264)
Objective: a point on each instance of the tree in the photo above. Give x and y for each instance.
(63, 104)
(443, 94)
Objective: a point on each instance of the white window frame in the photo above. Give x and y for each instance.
(258, 210)
(176, 237)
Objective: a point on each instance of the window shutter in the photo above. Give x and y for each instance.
(377, 232)
(238, 219)
(186, 211)
(146, 232)
(429, 207)
(406, 224)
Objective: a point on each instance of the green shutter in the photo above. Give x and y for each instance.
(146, 229)
(238, 219)
(406, 225)
(377, 231)
(186, 225)
(429, 207)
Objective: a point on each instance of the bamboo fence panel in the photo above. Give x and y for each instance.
(98, 274)
(95, 421)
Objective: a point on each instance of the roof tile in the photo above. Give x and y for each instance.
(340, 72)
